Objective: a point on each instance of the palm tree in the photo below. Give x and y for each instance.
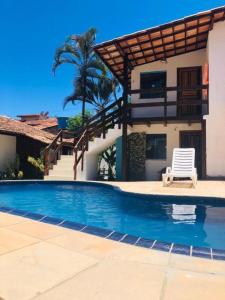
(78, 51)
(106, 90)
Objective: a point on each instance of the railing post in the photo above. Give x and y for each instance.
(103, 125)
(120, 114)
(82, 153)
(46, 162)
(165, 103)
(87, 140)
(125, 102)
(61, 141)
(75, 165)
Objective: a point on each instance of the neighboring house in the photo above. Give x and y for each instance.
(41, 121)
(22, 139)
(174, 77)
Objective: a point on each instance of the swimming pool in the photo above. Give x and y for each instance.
(195, 221)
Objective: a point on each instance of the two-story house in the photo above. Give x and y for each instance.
(176, 79)
(173, 77)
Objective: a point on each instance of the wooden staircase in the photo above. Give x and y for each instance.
(97, 129)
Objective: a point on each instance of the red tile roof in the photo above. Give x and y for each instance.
(159, 43)
(14, 127)
(42, 124)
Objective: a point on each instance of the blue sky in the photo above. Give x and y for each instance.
(30, 31)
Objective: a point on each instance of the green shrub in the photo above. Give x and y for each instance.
(12, 170)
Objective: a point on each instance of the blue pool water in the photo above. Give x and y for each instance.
(183, 220)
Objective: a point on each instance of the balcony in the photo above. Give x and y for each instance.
(175, 103)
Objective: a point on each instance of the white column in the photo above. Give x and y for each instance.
(215, 121)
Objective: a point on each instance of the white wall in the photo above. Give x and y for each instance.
(153, 167)
(196, 58)
(7, 149)
(215, 121)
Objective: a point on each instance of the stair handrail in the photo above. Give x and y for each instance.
(95, 125)
(47, 160)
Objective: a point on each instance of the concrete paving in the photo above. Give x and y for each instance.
(45, 262)
(204, 188)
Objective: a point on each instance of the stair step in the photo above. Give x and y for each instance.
(61, 172)
(67, 159)
(58, 178)
(62, 168)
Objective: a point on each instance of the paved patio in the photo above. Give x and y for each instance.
(204, 188)
(45, 262)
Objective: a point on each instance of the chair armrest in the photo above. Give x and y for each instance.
(168, 170)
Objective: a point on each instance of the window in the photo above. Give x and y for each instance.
(150, 81)
(156, 146)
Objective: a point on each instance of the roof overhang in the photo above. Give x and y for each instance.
(159, 43)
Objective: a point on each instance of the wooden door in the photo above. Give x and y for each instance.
(189, 78)
(193, 139)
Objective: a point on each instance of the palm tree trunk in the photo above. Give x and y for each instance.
(84, 99)
(83, 110)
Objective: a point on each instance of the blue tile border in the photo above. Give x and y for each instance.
(18, 212)
(34, 216)
(129, 239)
(97, 231)
(5, 209)
(116, 236)
(72, 225)
(51, 220)
(194, 251)
(201, 252)
(218, 254)
(163, 246)
(181, 249)
(145, 243)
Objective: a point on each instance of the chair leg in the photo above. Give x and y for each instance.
(194, 181)
(165, 179)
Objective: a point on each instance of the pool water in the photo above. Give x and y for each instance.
(183, 220)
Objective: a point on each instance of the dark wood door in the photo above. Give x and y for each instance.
(187, 80)
(193, 139)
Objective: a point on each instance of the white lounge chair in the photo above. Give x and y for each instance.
(183, 166)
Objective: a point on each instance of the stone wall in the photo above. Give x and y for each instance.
(136, 156)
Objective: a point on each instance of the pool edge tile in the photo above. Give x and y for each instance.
(181, 249)
(163, 246)
(129, 239)
(201, 252)
(101, 232)
(72, 225)
(51, 220)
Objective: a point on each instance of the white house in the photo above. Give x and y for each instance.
(175, 76)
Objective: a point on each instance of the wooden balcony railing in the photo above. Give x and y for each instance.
(188, 103)
(114, 114)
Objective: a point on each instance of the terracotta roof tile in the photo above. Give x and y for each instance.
(11, 126)
(42, 124)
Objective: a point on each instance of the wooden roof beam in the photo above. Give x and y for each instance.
(177, 48)
(165, 36)
(168, 43)
(162, 27)
(123, 54)
(161, 52)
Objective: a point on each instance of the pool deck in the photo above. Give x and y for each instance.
(40, 261)
(206, 188)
